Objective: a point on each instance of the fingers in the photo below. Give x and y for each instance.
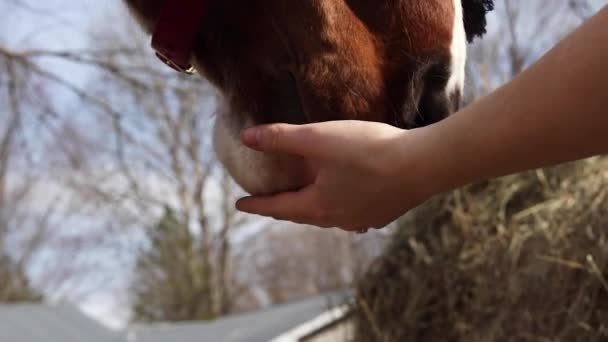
(289, 206)
(301, 140)
(299, 207)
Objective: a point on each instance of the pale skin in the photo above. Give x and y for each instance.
(365, 175)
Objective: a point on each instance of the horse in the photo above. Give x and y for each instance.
(400, 62)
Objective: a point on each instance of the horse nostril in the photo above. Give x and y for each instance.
(435, 103)
(434, 106)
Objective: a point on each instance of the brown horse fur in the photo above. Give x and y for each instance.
(318, 60)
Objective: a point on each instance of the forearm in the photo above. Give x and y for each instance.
(555, 111)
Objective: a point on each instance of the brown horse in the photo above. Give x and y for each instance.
(400, 62)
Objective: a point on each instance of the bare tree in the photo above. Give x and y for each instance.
(16, 285)
(33, 212)
(150, 152)
(507, 50)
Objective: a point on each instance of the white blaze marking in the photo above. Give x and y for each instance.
(458, 51)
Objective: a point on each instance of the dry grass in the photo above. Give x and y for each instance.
(521, 258)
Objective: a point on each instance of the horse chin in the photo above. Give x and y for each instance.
(256, 172)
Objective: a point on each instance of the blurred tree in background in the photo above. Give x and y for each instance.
(15, 285)
(171, 283)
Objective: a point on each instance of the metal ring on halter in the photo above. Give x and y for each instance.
(187, 69)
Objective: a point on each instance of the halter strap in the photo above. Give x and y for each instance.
(175, 32)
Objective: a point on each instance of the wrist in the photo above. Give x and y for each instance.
(426, 164)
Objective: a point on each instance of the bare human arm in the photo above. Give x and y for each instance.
(365, 175)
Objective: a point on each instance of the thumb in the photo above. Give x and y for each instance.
(300, 140)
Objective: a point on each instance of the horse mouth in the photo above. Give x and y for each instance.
(285, 104)
(300, 116)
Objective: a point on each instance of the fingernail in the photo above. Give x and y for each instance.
(250, 137)
(241, 205)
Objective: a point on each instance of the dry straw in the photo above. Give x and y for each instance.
(521, 258)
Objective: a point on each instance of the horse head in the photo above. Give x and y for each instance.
(401, 62)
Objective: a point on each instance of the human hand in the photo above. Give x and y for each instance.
(362, 174)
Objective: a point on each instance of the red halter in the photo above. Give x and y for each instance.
(175, 32)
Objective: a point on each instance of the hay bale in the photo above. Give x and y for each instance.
(521, 258)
